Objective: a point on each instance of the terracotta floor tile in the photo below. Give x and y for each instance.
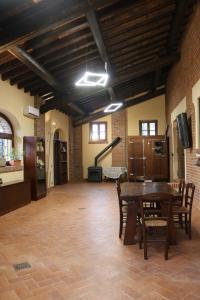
(70, 238)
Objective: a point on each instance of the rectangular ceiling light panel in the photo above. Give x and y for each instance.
(93, 79)
(113, 107)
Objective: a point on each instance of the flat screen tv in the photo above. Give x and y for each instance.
(184, 130)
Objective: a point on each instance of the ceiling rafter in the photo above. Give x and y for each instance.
(69, 12)
(96, 31)
(33, 65)
(142, 70)
(181, 9)
(138, 40)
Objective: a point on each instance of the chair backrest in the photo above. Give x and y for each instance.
(181, 187)
(160, 206)
(189, 195)
(118, 187)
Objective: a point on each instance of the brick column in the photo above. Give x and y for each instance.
(75, 153)
(119, 128)
(39, 124)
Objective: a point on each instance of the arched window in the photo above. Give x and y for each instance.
(6, 137)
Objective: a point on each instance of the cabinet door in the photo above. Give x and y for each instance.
(159, 168)
(157, 159)
(136, 160)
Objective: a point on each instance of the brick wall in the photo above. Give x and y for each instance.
(119, 128)
(39, 124)
(75, 153)
(181, 79)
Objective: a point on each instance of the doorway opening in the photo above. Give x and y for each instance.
(60, 159)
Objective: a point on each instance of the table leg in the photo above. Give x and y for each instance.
(172, 232)
(130, 230)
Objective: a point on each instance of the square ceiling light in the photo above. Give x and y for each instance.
(93, 79)
(113, 107)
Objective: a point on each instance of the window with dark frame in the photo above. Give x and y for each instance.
(148, 127)
(98, 132)
(6, 137)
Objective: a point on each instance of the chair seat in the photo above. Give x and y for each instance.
(180, 209)
(155, 223)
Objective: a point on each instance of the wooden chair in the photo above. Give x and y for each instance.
(185, 211)
(123, 206)
(179, 203)
(155, 221)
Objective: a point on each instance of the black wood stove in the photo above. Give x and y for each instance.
(95, 172)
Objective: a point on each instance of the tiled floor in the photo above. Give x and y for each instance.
(70, 238)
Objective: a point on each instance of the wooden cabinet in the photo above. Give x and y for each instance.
(60, 162)
(148, 158)
(13, 195)
(34, 165)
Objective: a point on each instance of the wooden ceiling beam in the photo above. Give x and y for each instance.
(139, 72)
(33, 65)
(127, 103)
(66, 12)
(24, 77)
(156, 79)
(96, 31)
(51, 49)
(182, 7)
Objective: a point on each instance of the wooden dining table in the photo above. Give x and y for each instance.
(131, 192)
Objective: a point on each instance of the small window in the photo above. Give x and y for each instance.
(6, 137)
(148, 127)
(98, 132)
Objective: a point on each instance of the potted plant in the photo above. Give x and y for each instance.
(15, 158)
(2, 161)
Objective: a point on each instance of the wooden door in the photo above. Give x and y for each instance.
(136, 160)
(157, 159)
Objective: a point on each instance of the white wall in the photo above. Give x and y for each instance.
(153, 109)
(12, 103)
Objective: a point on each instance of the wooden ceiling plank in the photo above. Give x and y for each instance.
(10, 70)
(131, 19)
(137, 45)
(142, 33)
(136, 55)
(138, 28)
(23, 76)
(136, 51)
(129, 7)
(26, 59)
(59, 17)
(80, 38)
(49, 37)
